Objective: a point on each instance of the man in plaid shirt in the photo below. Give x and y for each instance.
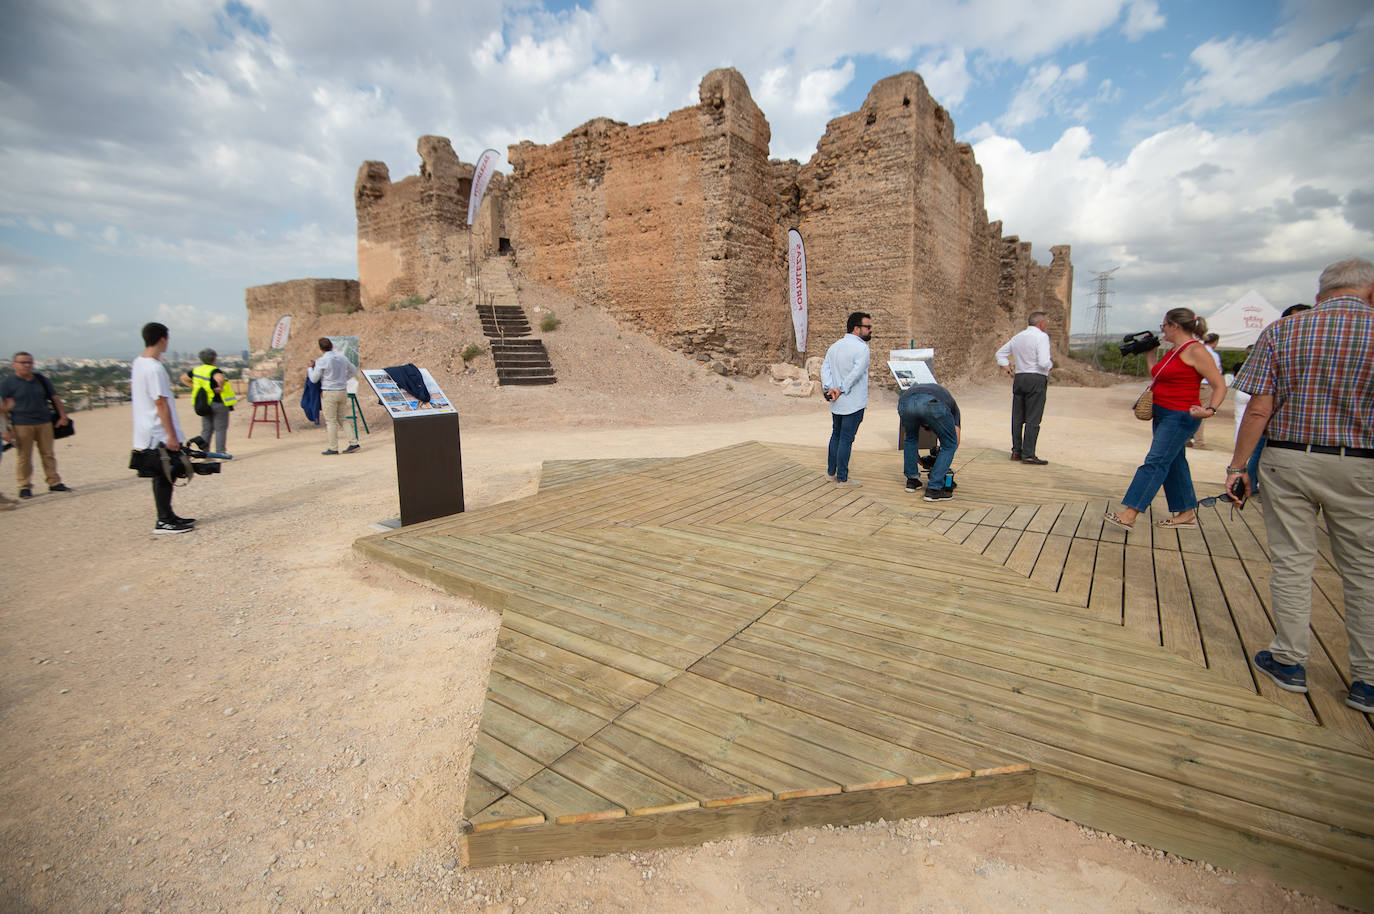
(1311, 382)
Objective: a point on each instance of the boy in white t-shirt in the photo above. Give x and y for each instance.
(156, 422)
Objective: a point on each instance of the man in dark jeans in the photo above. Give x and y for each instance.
(932, 406)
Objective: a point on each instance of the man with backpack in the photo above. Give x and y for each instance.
(212, 398)
(32, 401)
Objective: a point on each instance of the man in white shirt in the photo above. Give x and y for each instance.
(844, 376)
(333, 370)
(156, 422)
(1030, 350)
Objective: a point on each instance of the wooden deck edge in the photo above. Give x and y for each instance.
(1196, 838)
(697, 826)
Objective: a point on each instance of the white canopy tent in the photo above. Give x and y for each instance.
(1239, 323)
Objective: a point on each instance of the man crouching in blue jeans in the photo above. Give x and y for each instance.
(931, 406)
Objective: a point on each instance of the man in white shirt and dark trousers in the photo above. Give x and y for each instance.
(156, 422)
(332, 371)
(1030, 350)
(844, 376)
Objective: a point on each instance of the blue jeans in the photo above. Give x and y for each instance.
(842, 432)
(923, 409)
(1166, 464)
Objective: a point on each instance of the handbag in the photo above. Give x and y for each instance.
(1144, 406)
(62, 431)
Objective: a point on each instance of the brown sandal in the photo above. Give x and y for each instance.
(1111, 518)
(1172, 522)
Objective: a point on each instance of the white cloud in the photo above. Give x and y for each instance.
(1045, 89)
(64, 230)
(189, 320)
(1240, 71)
(1142, 17)
(1193, 217)
(98, 320)
(946, 76)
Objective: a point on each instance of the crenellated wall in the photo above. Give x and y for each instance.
(678, 227)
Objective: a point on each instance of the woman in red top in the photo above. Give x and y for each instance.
(1178, 413)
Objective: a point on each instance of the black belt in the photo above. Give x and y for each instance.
(1323, 448)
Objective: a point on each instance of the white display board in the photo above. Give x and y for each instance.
(400, 403)
(911, 366)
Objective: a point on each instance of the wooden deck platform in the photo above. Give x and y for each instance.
(728, 643)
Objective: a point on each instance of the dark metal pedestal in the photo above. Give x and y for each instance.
(429, 467)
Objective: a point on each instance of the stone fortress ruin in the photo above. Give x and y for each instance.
(678, 228)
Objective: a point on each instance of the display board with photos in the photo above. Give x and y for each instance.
(911, 366)
(401, 403)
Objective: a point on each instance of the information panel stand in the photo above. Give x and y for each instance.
(429, 449)
(429, 467)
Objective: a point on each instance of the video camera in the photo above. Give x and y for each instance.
(192, 460)
(1135, 343)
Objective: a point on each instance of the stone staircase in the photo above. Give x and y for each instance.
(518, 359)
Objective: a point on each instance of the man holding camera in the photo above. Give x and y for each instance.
(1030, 351)
(156, 422)
(1311, 383)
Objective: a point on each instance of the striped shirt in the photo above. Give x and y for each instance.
(1319, 368)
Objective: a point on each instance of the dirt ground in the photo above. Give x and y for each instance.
(251, 718)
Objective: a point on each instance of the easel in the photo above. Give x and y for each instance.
(277, 412)
(355, 411)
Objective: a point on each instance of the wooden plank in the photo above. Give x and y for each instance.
(1108, 582)
(686, 774)
(1002, 544)
(480, 794)
(1266, 793)
(1149, 823)
(1220, 641)
(778, 777)
(530, 703)
(1255, 630)
(563, 801)
(1177, 623)
(880, 754)
(887, 721)
(1045, 516)
(567, 674)
(501, 764)
(637, 793)
(824, 765)
(1076, 582)
(695, 826)
(1049, 567)
(1023, 558)
(506, 813)
(1140, 603)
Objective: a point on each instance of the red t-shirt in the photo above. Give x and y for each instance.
(1176, 382)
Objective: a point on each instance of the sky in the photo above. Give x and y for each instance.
(157, 157)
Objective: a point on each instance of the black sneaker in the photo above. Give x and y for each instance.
(26, 492)
(1034, 461)
(183, 520)
(940, 494)
(60, 487)
(913, 484)
(1361, 696)
(173, 526)
(1290, 678)
(329, 453)
(352, 448)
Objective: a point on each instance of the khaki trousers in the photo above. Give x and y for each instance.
(333, 405)
(1296, 485)
(25, 437)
